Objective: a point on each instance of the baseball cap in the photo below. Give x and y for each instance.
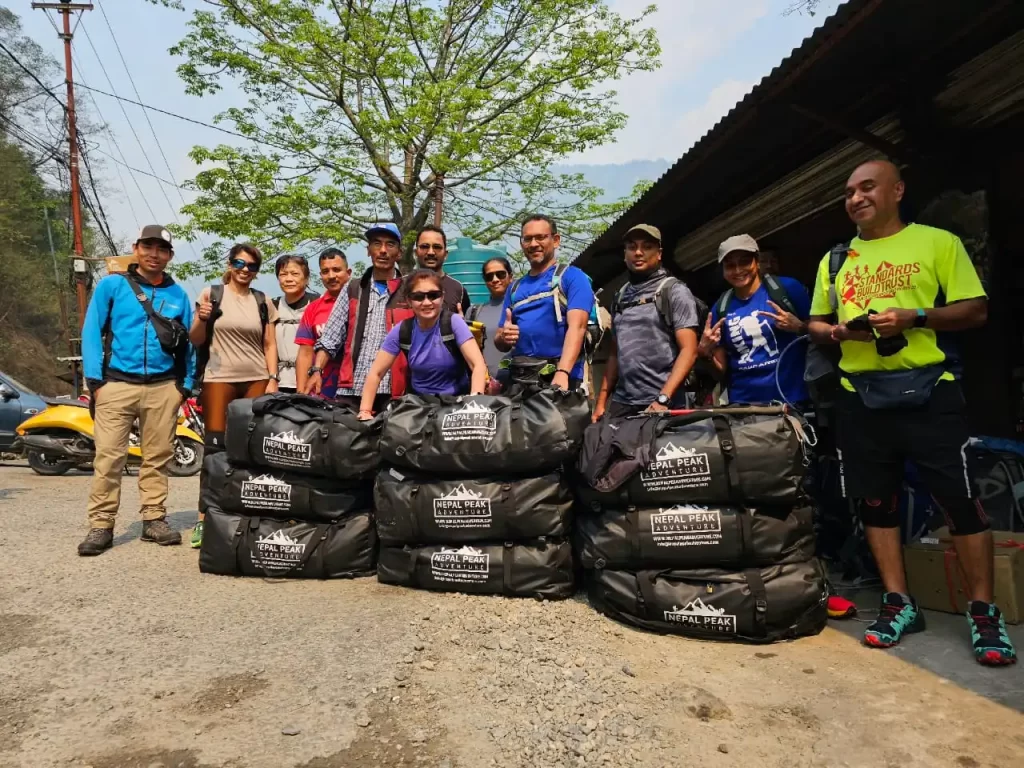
(384, 229)
(155, 232)
(737, 243)
(647, 229)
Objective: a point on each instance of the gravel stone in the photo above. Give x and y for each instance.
(290, 731)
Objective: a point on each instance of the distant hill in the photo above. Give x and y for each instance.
(617, 180)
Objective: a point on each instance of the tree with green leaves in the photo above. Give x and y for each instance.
(373, 110)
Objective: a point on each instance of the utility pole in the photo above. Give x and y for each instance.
(57, 283)
(81, 267)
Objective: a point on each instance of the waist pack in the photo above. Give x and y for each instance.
(775, 603)
(419, 510)
(279, 494)
(302, 434)
(695, 537)
(532, 431)
(736, 455)
(896, 389)
(543, 569)
(239, 545)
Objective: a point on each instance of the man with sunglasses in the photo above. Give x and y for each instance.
(334, 274)
(356, 328)
(546, 311)
(431, 252)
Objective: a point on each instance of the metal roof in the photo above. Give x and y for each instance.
(869, 59)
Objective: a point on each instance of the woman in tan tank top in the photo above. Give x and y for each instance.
(242, 351)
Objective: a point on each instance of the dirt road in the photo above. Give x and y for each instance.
(136, 660)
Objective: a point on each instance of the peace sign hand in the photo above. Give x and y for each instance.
(711, 337)
(784, 321)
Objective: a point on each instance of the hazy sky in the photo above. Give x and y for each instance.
(713, 53)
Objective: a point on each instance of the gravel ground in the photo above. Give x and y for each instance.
(136, 660)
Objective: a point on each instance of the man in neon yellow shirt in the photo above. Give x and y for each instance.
(899, 288)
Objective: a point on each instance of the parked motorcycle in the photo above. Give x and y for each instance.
(61, 438)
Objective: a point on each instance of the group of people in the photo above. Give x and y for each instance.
(885, 302)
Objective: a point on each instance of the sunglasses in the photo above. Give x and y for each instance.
(252, 266)
(501, 274)
(421, 296)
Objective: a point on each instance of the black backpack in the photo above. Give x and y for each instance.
(216, 296)
(447, 338)
(696, 380)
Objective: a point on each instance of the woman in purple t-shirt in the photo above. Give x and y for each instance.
(433, 370)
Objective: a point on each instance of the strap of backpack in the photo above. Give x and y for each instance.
(557, 294)
(450, 342)
(663, 301)
(405, 335)
(836, 259)
(216, 297)
(778, 294)
(722, 305)
(261, 305)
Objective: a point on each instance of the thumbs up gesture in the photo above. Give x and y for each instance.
(509, 331)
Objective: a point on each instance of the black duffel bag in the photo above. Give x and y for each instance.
(414, 509)
(302, 434)
(757, 605)
(540, 569)
(533, 431)
(284, 495)
(238, 545)
(751, 455)
(695, 537)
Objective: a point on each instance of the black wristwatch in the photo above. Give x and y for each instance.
(921, 319)
(663, 399)
(313, 370)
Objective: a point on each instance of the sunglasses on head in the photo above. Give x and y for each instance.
(252, 266)
(421, 296)
(501, 274)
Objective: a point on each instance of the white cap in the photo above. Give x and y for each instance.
(737, 243)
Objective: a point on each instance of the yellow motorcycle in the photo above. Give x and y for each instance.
(61, 438)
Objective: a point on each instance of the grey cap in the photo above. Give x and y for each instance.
(155, 232)
(737, 243)
(652, 233)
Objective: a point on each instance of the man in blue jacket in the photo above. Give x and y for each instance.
(132, 376)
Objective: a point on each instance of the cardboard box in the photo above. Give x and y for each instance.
(936, 579)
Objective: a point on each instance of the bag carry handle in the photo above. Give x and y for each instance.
(506, 568)
(633, 522)
(645, 584)
(727, 444)
(318, 537)
(760, 595)
(311, 406)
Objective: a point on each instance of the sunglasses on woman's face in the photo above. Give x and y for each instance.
(420, 296)
(252, 266)
(501, 274)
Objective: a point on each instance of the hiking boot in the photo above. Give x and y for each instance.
(160, 532)
(197, 536)
(896, 617)
(992, 646)
(96, 542)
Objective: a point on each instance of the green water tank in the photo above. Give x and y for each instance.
(465, 263)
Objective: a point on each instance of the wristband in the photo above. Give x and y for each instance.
(921, 319)
(562, 370)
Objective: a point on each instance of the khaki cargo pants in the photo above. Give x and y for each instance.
(117, 406)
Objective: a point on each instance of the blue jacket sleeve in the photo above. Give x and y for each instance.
(96, 317)
(190, 359)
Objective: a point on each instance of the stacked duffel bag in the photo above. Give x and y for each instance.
(292, 495)
(473, 495)
(696, 524)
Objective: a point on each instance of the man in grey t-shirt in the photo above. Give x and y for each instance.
(654, 327)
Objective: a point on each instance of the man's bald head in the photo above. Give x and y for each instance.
(873, 194)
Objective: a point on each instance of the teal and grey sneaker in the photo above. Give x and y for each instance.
(197, 536)
(992, 646)
(896, 617)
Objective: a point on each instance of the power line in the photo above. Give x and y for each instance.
(31, 74)
(137, 170)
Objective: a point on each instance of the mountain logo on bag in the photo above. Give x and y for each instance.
(279, 550)
(676, 467)
(266, 492)
(465, 565)
(287, 449)
(699, 615)
(470, 422)
(686, 526)
(462, 508)
(670, 451)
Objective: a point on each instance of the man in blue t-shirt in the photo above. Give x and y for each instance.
(746, 345)
(545, 313)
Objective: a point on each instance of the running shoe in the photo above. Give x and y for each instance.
(197, 536)
(992, 646)
(896, 617)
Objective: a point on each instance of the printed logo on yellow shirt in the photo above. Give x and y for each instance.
(863, 283)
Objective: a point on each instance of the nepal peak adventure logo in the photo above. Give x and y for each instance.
(861, 283)
(701, 615)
